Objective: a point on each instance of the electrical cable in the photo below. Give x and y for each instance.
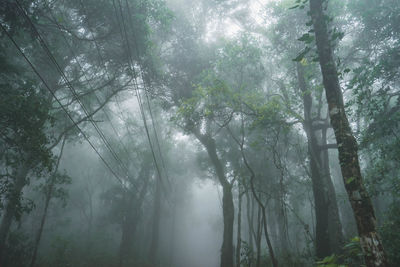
(87, 80)
(136, 87)
(146, 89)
(72, 89)
(61, 105)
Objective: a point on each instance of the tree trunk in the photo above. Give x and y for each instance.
(265, 224)
(274, 261)
(250, 216)
(329, 237)
(282, 226)
(227, 200)
(335, 228)
(228, 216)
(40, 231)
(131, 220)
(10, 207)
(347, 145)
(239, 226)
(49, 194)
(156, 223)
(258, 236)
(171, 252)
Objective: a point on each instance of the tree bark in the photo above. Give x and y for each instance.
(371, 244)
(258, 236)
(239, 228)
(329, 237)
(227, 200)
(250, 216)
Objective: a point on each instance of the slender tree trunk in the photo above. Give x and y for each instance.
(49, 194)
(250, 216)
(228, 216)
(172, 238)
(128, 231)
(10, 207)
(131, 220)
(274, 222)
(282, 223)
(250, 223)
(40, 231)
(227, 200)
(279, 206)
(265, 224)
(335, 228)
(258, 236)
(239, 228)
(329, 237)
(252, 176)
(156, 224)
(347, 145)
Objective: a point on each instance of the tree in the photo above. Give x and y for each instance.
(347, 144)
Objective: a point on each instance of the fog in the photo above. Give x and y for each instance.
(203, 212)
(177, 133)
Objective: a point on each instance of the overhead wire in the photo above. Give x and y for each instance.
(146, 89)
(71, 87)
(61, 105)
(87, 80)
(136, 87)
(102, 60)
(73, 91)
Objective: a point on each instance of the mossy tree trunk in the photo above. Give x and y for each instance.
(347, 145)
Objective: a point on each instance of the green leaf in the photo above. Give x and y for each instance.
(350, 180)
(346, 70)
(302, 54)
(307, 38)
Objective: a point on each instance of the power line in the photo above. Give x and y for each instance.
(72, 89)
(87, 79)
(99, 52)
(136, 83)
(61, 105)
(132, 67)
(145, 89)
(147, 97)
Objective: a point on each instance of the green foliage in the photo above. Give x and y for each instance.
(391, 235)
(246, 255)
(351, 256)
(26, 126)
(301, 4)
(18, 250)
(56, 186)
(61, 252)
(24, 117)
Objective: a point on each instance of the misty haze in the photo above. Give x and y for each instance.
(210, 133)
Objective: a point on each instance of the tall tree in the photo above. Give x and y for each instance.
(329, 237)
(347, 145)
